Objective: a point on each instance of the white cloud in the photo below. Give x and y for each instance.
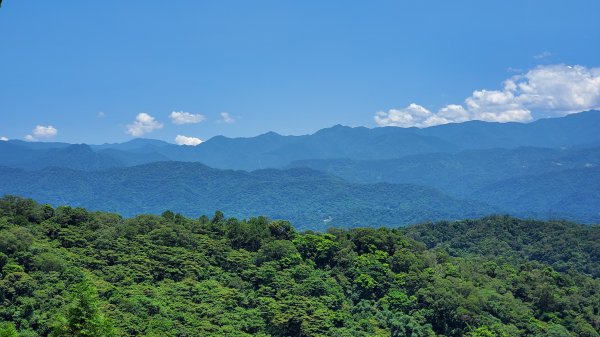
(181, 117)
(42, 131)
(496, 106)
(3, 139)
(412, 115)
(542, 55)
(143, 123)
(553, 90)
(226, 118)
(185, 140)
(559, 89)
(101, 114)
(454, 112)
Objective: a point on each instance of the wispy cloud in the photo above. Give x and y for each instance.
(181, 117)
(144, 123)
(552, 90)
(226, 118)
(190, 141)
(542, 55)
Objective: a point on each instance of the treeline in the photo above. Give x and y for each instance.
(69, 272)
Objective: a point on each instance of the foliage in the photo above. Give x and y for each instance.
(82, 317)
(71, 272)
(563, 245)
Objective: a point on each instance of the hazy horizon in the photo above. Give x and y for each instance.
(281, 134)
(88, 72)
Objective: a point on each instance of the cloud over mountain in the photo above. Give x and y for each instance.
(41, 131)
(185, 140)
(545, 91)
(143, 123)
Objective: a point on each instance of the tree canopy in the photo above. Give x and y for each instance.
(69, 272)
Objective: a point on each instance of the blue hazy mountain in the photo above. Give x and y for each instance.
(385, 175)
(459, 174)
(75, 156)
(272, 150)
(137, 144)
(572, 194)
(575, 129)
(359, 143)
(304, 196)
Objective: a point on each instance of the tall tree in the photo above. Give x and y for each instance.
(82, 318)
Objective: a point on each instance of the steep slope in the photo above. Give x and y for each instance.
(306, 197)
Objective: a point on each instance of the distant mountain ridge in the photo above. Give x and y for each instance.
(302, 195)
(474, 169)
(271, 150)
(359, 176)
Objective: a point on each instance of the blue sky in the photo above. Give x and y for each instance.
(88, 69)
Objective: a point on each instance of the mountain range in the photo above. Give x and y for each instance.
(309, 198)
(352, 175)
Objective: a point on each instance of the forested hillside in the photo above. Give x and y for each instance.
(565, 246)
(526, 182)
(69, 272)
(304, 196)
(570, 194)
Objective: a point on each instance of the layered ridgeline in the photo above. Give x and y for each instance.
(308, 198)
(547, 169)
(70, 272)
(272, 150)
(526, 182)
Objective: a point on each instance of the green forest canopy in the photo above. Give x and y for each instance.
(68, 272)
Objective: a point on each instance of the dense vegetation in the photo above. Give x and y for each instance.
(69, 272)
(566, 246)
(304, 196)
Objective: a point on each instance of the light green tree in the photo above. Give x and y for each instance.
(8, 330)
(82, 317)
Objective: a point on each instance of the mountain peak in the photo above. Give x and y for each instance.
(77, 148)
(270, 134)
